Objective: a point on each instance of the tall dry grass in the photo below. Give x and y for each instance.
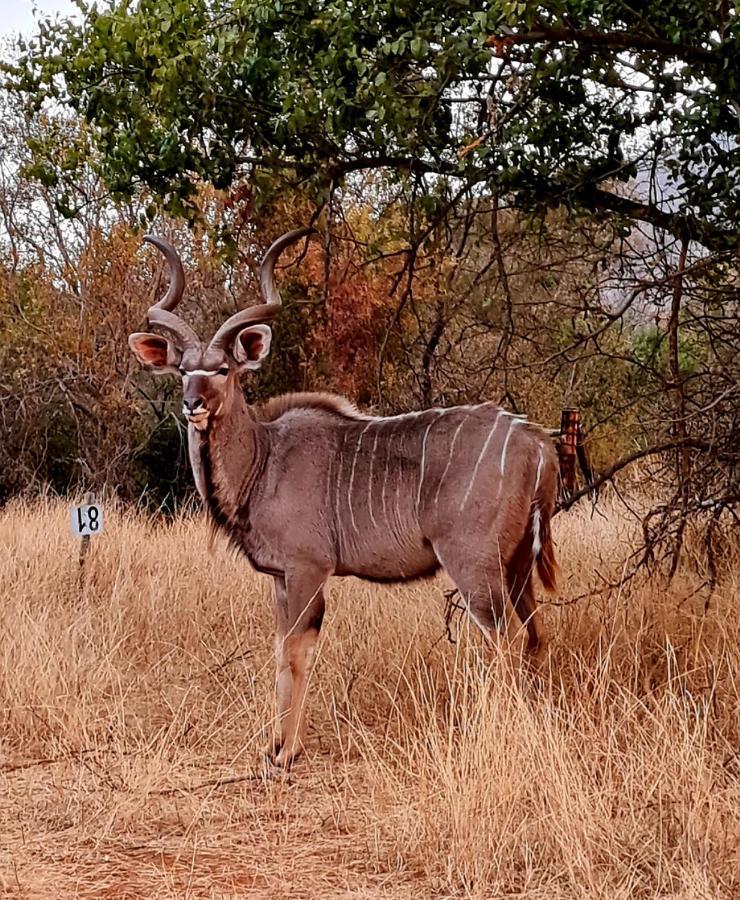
(132, 713)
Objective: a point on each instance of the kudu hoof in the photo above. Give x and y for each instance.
(276, 756)
(285, 760)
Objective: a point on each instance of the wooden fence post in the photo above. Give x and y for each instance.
(570, 420)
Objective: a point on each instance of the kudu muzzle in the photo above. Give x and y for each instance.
(198, 403)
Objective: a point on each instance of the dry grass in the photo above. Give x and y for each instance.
(433, 770)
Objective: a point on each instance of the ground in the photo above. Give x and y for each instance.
(134, 703)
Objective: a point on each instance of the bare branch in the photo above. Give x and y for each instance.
(613, 40)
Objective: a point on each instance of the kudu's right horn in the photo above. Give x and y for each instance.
(160, 315)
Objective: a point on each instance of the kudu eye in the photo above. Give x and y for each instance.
(224, 370)
(182, 371)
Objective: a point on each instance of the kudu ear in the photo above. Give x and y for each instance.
(251, 346)
(155, 353)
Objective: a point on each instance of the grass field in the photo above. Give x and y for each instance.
(133, 710)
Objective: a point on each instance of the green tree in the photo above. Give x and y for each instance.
(550, 103)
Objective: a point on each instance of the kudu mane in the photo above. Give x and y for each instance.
(276, 407)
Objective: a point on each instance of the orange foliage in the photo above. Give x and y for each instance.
(356, 311)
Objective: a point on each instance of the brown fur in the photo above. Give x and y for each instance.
(306, 486)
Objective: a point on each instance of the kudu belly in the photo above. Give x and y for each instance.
(389, 556)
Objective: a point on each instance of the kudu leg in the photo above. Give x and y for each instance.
(481, 586)
(283, 673)
(523, 600)
(299, 613)
(521, 592)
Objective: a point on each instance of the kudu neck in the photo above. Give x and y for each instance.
(230, 450)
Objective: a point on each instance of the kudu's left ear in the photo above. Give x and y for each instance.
(155, 353)
(251, 346)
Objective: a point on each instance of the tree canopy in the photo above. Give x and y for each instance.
(547, 104)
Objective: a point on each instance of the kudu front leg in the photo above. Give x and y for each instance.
(299, 608)
(283, 672)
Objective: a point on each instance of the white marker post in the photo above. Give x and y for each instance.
(86, 521)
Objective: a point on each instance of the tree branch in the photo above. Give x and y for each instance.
(415, 165)
(681, 226)
(608, 474)
(709, 236)
(613, 40)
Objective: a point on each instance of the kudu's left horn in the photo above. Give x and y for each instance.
(270, 294)
(160, 315)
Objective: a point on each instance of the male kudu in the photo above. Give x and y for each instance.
(307, 487)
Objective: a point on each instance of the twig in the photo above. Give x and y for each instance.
(213, 782)
(451, 607)
(49, 761)
(234, 656)
(608, 474)
(609, 586)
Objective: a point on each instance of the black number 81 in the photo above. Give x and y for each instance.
(93, 518)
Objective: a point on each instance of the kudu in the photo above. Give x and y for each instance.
(307, 487)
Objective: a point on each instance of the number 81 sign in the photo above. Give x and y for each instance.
(86, 520)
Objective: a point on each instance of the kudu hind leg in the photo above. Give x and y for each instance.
(299, 618)
(481, 585)
(525, 604)
(521, 592)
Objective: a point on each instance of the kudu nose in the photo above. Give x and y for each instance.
(191, 406)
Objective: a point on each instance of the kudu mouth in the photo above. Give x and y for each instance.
(199, 420)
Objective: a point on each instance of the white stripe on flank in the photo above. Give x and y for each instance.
(537, 477)
(536, 543)
(477, 465)
(385, 476)
(370, 480)
(512, 423)
(399, 479)
(449, 458)
(352, 476)
(329, 480)
(424, 458)
(340, 459)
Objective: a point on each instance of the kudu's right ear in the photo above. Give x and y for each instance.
(155, 353)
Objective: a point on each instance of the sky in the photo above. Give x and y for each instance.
(18, 15)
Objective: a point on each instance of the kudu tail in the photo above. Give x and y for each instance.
(543, 505)
(543, 550)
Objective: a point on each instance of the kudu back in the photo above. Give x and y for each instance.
(307, 487)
